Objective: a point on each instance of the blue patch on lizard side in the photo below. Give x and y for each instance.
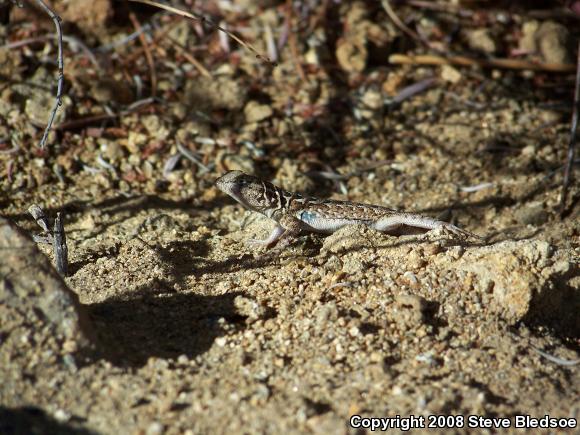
(308, 217)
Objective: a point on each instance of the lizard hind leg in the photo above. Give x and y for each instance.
(389, 223)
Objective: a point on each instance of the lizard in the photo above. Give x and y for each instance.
(294, 212)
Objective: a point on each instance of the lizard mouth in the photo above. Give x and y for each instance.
(235, 191)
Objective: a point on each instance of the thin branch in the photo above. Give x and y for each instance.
(56, 19)
(197, 17)
(572, 143)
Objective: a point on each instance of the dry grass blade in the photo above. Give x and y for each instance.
(572, 143)
(197, 17)
(555, 359)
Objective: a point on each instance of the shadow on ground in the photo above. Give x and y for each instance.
(557, 308)
(32, 420)
(157, 322)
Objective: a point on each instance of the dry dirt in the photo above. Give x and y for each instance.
(192, 330)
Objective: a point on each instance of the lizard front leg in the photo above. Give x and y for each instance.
(292, 227)
(285, 233)
(271, 240)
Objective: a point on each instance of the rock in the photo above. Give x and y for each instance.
(34, 298)
(527, 42)
(549, 39)
(450, 74)
(236, 162)
(522, 280)
(352, 50)
(352, 54)
(248, 307)
(410, 310)
(256, 112)
(88, 16)
(214, 93)
(39, 101)
(532, 214)
(155, 428)
(108, 89)
(39, 107)
(481, 40)
(351, 238)
(553, 39)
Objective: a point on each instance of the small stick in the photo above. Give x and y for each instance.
(189, 155)
(197, 17)
(39, 216)
(414, 89)
(572, 143)
(59, 245)
(440, 7)
(147, 51)
(56, 19)
(124, 40)
(57, 238)
(81, 122)
(203, 70)
(395, 19)
(42, 221)
(485, 63)
(555, 359)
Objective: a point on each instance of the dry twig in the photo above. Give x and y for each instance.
(59, 245)
(56, 19)
(397, 21)
(572, 143)
(39, 216)
(202, 69)
(518, 64)
(57, 238)
(201, 18)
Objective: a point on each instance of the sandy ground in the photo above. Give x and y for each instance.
(196, 332)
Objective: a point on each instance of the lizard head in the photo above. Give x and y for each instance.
(248, 190)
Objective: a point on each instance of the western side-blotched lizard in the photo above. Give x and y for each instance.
(294, 212)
